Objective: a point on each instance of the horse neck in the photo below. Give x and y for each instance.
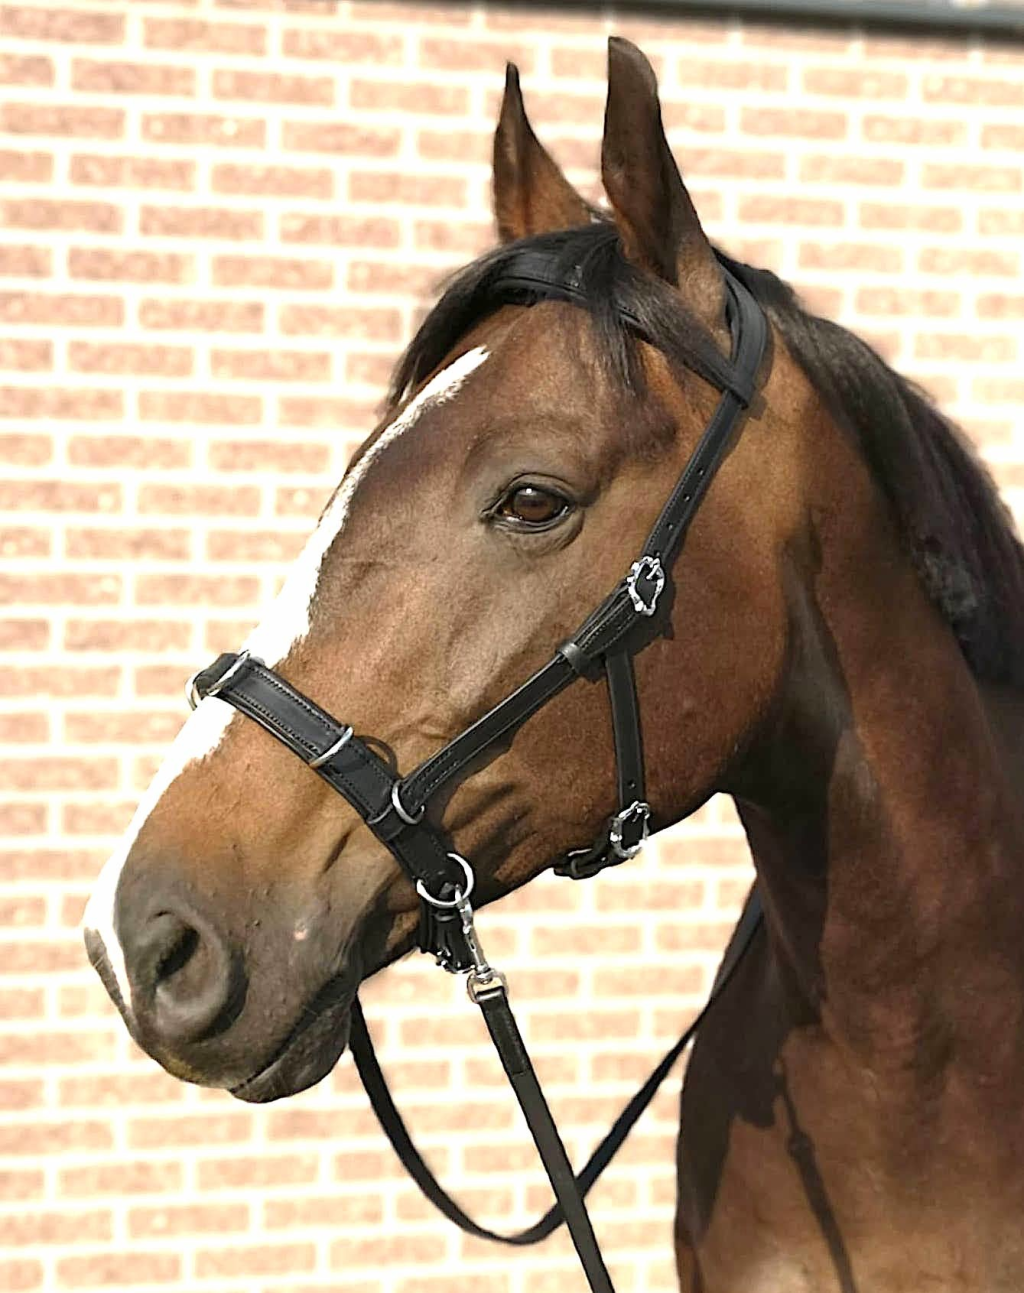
(884, 811)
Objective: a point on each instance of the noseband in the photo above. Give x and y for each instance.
(395, 808)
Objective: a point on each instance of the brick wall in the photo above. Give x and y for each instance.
(218, 222)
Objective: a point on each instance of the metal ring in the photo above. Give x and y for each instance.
(228, 674)
(399, 808)
(191, 695)
(467, 871)
(339, 744)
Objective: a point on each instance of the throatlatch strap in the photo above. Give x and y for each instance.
(412, 1160)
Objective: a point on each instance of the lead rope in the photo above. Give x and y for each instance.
(487, 988)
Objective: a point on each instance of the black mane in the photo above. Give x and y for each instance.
(957, 530)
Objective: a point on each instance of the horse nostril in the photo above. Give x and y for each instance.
(183, 971)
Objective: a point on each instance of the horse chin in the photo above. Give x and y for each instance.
(306, 1058)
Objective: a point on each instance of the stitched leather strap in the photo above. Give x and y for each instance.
(412, 1160)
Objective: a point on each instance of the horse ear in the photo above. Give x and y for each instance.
(657, 222)
(531, 195)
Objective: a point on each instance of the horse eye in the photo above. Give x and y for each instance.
(529, 505)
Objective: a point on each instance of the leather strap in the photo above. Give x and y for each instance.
(393, 1125)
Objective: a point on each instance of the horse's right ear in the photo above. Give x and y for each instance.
(531, 195)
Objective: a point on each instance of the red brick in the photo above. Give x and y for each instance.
(120, 77)
(26, 356)
(272, 87)
(387, 277)
(217, 1128)
(200, 222)
(474, 55)
(26, 69)
(22, 818)
(416, 15)
(959, 348)
(23, 729)
(417, 1250)
(63, 1136)
(455, 236)
(59, 496)
(132, 172)
(71, 680)
(123, 1269)
(26, 910)
(271, 365)
(407, 95)
(60, 214)
(196, 590)
(273, 181)
(327, 412)
(129, 1179)
(734, 75)
(59, 589)
(95, 819)
(114, 728)
(262, 1259)
(181, 315)
(20, 167)
(116, 1088)
(973, 90)
(24, 541)
(370, 369)
(124, 450)
(1008, 135)
(914, 130)
(961, 175)
(61, 403)
(187, 1220)
(203, 128)
(21, 1185)
(201, 408)
(166, 681)
(63, 309)
(34, 22)
(269, 456)
(898, 215)
(51, 1048)
(873, 257)
(54, 773)
(24, 635)
(366, 323)
(340, 231)
(342, 137)
(19, 448)
(253, 1173)
(36, 956)
(129, 543)
(337, 1210)
(192, 34)
(766, 209)
(797, 123)
(272, 271)
(130, 358)
(826, 169)
(999, 305)
(411, 190)
(957, 260)
(200, 500)
(70, 121)
(35, 864)
(18, 1276)
(26, 262)
(476, 146)
(1007, 222)
(855, 82)
(344, 47)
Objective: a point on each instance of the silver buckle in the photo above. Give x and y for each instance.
(646, 568)
(329, 754)
(637, 810)
(193, 697)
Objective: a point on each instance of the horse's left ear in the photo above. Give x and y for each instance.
(656, 218)
(531, 195)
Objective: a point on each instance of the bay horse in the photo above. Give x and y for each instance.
(842, 653)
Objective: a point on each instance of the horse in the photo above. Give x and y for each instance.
(841, 650)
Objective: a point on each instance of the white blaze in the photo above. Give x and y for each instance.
(285, 622)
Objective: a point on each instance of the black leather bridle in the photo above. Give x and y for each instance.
(395, 807)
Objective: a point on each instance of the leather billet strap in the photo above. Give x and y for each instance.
(412, 1160)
